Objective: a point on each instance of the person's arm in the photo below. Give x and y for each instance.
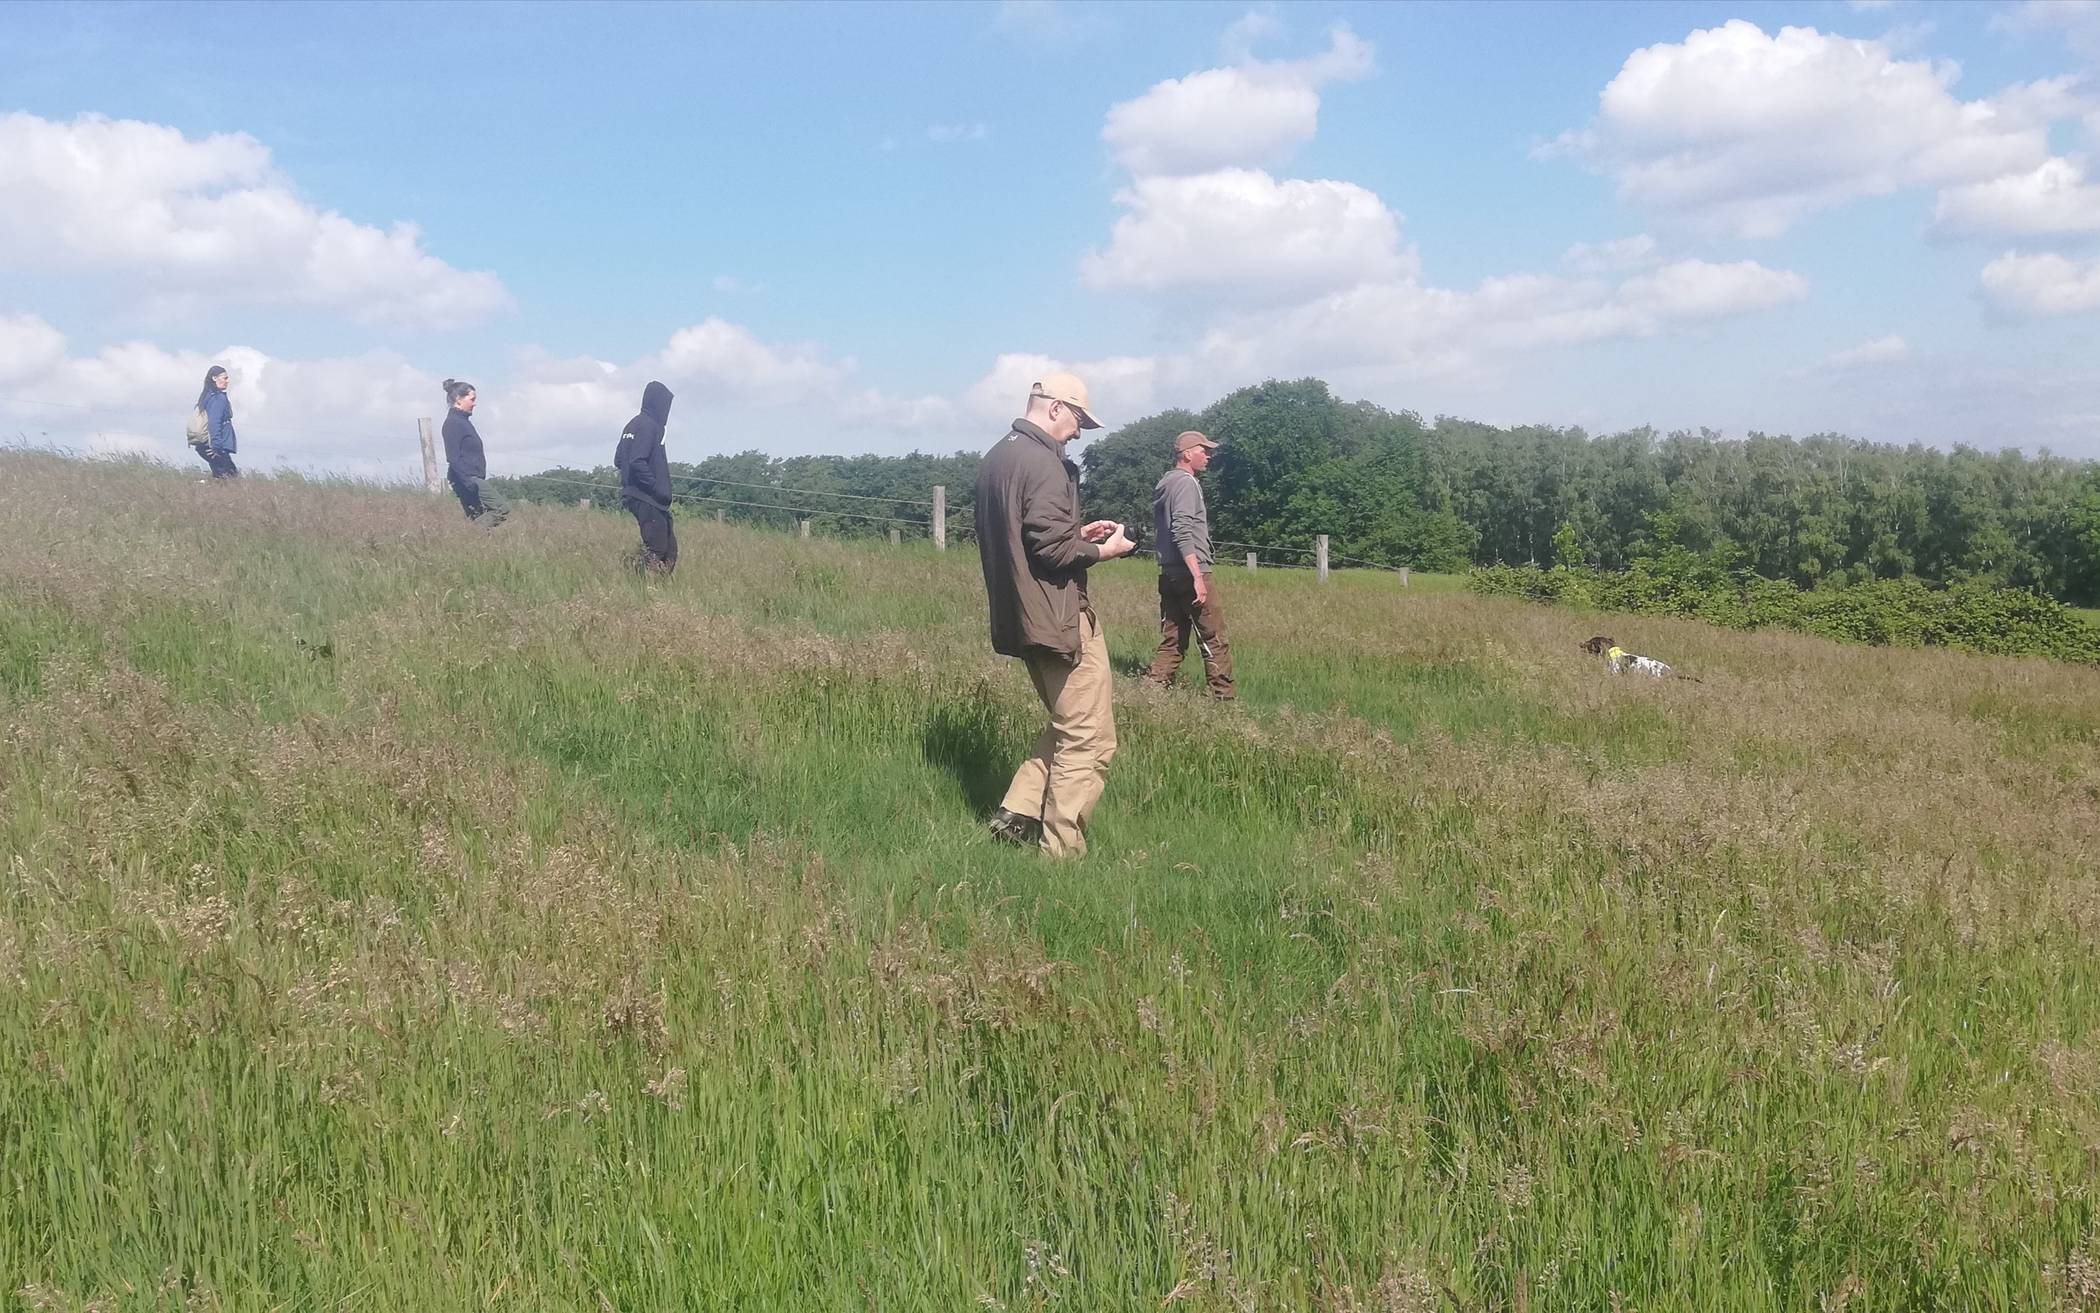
(646, 441)
(1050, 526)
(451, 435)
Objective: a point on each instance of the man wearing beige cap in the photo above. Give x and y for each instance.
(1188, 597)
(1035, 554)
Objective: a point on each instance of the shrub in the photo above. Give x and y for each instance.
(1883, 613)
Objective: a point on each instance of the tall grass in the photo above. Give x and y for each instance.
(400, 915)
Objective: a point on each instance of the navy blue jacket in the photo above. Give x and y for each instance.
(645, 473)
(218, 418)
(463, 455)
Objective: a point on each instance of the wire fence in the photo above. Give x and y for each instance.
(801, 492)
(694, 496)
(1306, 551)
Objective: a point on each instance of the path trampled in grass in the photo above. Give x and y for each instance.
(397, 915)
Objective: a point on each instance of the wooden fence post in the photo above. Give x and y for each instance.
(802, 528)
(719, 516)
(583, 503)
(940, 516)
(896, 537)
(1250, 562)
(432, 479)
(1403, 576)
(1320, 556)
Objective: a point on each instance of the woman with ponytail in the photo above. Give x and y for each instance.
(211, 425)
(465, 465)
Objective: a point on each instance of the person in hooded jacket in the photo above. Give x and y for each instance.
(211, 429)
(645, 480)
(466, 466)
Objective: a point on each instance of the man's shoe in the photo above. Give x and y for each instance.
(1016, 829)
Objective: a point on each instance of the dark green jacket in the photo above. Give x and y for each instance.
(1028, 539)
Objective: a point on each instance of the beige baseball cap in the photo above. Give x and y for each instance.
(1068, 389)
(1191, 439)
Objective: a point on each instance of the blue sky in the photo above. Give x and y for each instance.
(863, 228)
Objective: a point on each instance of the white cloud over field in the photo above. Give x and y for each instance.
(1740, 131)
(178, 218)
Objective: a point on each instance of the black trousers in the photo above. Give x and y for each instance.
(659, 544)
(221, 463)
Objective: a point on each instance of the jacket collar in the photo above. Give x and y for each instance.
(1034, 430)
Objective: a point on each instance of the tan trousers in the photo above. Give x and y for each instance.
(1062, 780)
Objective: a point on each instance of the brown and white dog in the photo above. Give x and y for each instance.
(1622, 662)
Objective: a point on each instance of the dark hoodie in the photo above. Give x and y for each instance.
(644, 472)
(463, 447)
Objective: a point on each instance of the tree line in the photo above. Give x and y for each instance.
(1444, 494)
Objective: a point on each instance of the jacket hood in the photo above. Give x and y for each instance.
(656, 402)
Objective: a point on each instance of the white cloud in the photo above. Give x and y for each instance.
(1248, 31)
(730, 361)
(1749, 133)
(29, 347)
(2052, 200)
(952, 132)
(1408, 330)
(1637, 252)
(1697, 289)
(1874, 351)
(2077, 20)
(1120, 388)
(1051, 23)
(1244, 235)
(874, 408)
(175, 217)
(1254, 112)
(2041, 286)
(1313, 274)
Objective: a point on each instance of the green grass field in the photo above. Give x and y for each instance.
(402, 916)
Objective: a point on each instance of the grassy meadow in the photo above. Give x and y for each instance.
(398, 915)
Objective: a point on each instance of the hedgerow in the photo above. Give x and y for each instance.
(1884, 613)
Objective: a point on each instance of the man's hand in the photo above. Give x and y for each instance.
(1099, 531)
(1202, 591)
(1117, 544)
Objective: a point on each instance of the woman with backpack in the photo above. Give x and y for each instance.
(211, 425)
(465, 464)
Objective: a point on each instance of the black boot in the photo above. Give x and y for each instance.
(1016, 829)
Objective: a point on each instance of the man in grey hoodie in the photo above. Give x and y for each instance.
(1188, 597)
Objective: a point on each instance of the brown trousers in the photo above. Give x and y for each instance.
(1179, 616)
(1063, 778)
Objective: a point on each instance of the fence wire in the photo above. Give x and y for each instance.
(1309, 551)
(754, 505)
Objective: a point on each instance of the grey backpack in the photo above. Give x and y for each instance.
(199, 429)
